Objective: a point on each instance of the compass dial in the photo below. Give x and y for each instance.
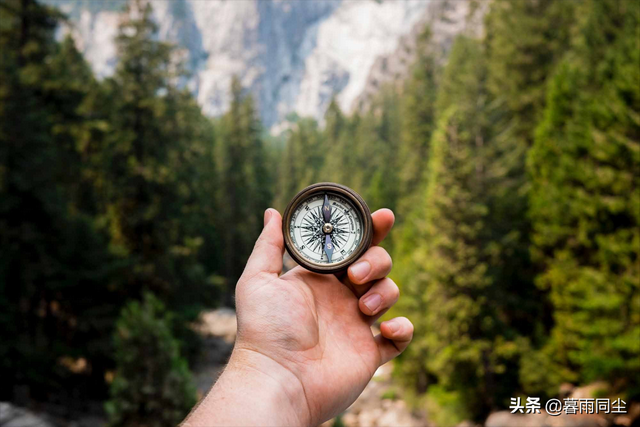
(326, 227)
(307, 228)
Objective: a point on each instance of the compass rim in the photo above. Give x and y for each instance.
(355, 199)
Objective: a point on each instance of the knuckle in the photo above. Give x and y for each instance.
(381, 257)
(375, 251)
(382, 251)
(265, 243)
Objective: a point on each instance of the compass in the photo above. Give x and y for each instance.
(327, 227)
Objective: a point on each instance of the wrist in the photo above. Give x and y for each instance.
(254, 389)
(273, 383)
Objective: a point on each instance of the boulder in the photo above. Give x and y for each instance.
(593, 390)
(632, 416)
(577, 420)
(12, 416)
(219, 323)
(507, 419)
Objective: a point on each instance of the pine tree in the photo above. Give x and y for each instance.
(301, 161)
(192, 160)
(244, 183)
(152, 176)
(137, 145)
(585, 206)
(55, 262)
(86, 170)
(380, 188)
(418, 115)
(80, 123)
(376, 140)
(465, 336)
(524, 41)
(152, 385)
(338, 146)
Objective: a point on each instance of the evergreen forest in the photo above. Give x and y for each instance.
(512, 167)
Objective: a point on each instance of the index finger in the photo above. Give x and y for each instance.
(383, 220)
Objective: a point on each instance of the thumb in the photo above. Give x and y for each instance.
(267, 252)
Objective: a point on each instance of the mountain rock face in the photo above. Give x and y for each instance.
(293, 56)
(444, 20)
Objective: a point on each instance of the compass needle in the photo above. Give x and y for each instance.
(326, 209)
(319, 227)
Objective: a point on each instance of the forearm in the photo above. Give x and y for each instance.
(253, 390)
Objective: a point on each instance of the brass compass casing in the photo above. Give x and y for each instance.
(363, 211)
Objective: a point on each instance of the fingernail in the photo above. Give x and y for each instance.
(267, 216)
(360, 270)
(372, 302)
(393, 326)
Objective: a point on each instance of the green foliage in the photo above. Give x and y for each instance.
(390, 394)
(446, 408)
(464, 333)
(513, 164)
(151, 155)
(543, 370)
(152, 384)
(54, 259)
(524, 41)
(378, 152)
(418, 120)
(449, 155)
(584, 203)
(105, 192)
(358, 151)
(301, 160)
(337, 145)
(158, 175)
(245, 183)
(337, 422)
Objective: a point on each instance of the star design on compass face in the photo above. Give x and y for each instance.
(326, 228)
(314, 235)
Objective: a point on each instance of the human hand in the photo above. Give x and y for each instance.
(304, 350)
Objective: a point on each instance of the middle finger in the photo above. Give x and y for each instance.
(375, 264)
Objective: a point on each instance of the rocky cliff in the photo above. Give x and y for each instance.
(292, 55)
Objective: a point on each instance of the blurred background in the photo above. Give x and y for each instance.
(140, 143)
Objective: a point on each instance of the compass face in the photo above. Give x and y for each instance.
(326, 227)
(308, 229)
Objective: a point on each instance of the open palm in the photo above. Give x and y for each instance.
(317, 327)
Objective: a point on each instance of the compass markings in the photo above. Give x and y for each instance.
(310, 228)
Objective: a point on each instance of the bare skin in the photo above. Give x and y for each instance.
(304, 350)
